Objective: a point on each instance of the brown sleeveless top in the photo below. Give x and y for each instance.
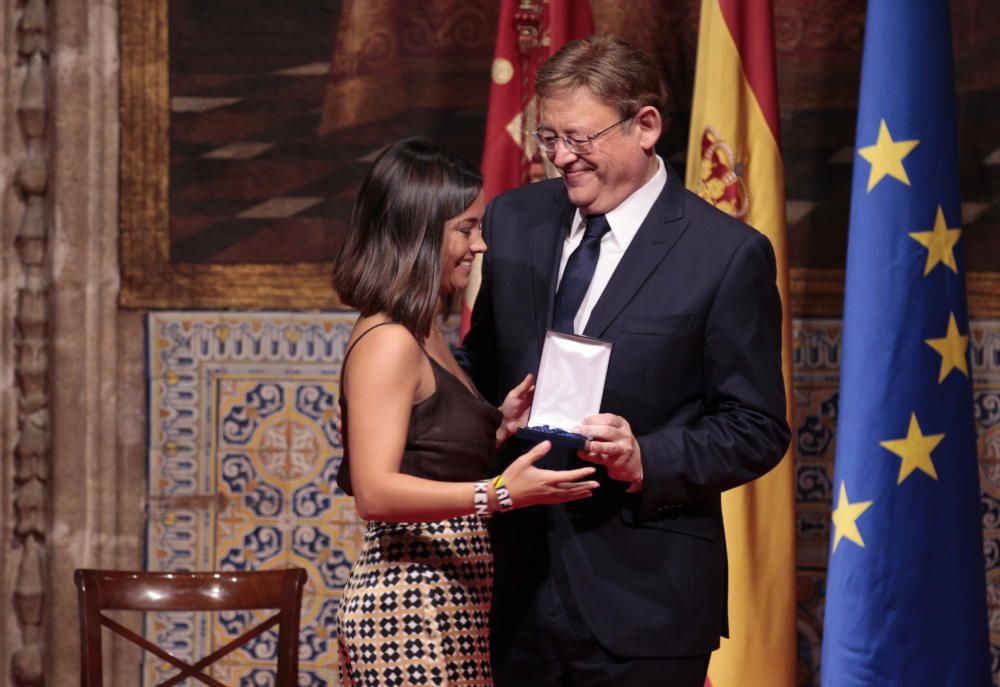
(452, 432)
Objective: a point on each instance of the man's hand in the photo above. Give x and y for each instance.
(612, 445)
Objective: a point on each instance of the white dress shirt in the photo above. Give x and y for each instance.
(624, 221)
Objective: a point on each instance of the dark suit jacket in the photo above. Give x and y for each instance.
(695, 319)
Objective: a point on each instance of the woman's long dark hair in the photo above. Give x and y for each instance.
(391, 260)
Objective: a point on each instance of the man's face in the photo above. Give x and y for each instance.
(619, 161)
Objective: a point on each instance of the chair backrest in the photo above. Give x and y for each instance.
(100, 590)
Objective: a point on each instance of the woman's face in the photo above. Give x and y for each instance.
(463, 240)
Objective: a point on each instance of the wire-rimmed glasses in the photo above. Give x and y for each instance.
(547, 139)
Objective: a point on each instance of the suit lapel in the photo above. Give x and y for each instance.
(547, 246)
(661, 229)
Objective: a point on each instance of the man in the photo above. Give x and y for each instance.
(627, 587)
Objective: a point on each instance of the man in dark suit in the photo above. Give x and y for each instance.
(627, 587)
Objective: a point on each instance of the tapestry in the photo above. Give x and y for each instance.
(243, 453)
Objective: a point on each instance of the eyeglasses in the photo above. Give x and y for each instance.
(547, 139)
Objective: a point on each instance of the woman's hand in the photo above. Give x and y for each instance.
(532, 486)
(515, 409)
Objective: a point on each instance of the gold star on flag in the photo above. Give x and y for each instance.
(940, 243)
(952, 349)
(886, 157)
(915, 450)
(845, 519)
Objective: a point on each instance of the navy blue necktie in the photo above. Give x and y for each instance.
(578, 273)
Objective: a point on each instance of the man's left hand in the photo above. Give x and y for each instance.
(612, 445)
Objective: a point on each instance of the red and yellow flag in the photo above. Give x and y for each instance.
(529, 32)
(734, 162)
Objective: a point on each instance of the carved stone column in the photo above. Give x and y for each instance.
(12, 152)
(30, 282)
(71, 385)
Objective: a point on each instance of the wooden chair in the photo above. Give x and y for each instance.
(101, 590)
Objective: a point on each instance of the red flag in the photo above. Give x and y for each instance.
(734, 162)
(529, 32)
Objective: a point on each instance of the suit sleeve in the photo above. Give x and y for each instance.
(742, 432)
(478, 353)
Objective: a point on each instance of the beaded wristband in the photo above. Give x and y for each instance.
(504, 499)
(503, 494)
(481, 498)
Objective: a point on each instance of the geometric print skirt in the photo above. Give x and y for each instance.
(416, 607)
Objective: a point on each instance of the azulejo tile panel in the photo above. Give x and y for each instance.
(985, 347)
(242, 461)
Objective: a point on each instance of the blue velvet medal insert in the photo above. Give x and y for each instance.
(558, 437)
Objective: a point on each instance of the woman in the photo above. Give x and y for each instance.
(417, 435)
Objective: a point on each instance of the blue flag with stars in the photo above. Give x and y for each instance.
(906, 592)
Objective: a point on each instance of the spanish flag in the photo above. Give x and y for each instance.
(734, 162)
(528, 34)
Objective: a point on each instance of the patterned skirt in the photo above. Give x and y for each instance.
(415, 610)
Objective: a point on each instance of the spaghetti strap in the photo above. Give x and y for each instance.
(343, 363)
(435, 365)
(363, 335)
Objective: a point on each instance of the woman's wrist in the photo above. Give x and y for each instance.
(491, 496)
(482, 497)
(502, 494)
(494, 503)
(503, 434)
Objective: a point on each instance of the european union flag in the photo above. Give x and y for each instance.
(906, 596)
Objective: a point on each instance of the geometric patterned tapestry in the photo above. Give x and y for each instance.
(242, 459)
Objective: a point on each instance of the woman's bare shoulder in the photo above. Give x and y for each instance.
(383, 351)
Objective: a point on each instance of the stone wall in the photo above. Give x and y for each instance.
(71, 409)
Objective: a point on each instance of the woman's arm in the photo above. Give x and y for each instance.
(385, 375)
